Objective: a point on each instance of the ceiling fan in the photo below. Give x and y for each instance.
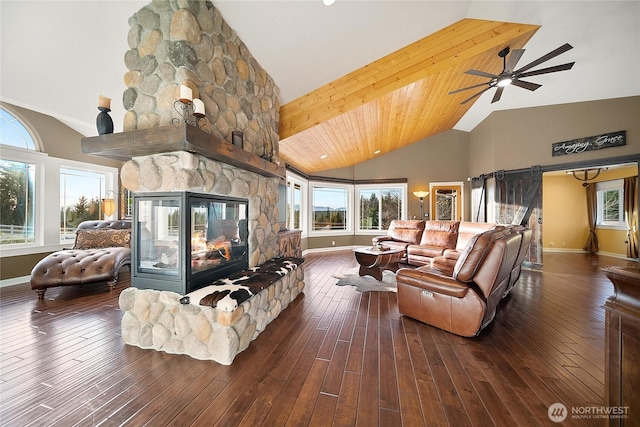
(509, 77)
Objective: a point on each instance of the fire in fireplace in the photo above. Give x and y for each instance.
(183, 241)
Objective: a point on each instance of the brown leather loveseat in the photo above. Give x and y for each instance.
(101, 248)
(464, 301)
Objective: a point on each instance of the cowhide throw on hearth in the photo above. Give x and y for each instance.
(228, 293)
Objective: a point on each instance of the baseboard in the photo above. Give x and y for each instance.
(14, 281)
(564, 250)
(581, 251)
(331, 249)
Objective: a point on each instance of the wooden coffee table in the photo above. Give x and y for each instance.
(373, 261)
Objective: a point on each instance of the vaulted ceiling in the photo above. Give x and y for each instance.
(396, 100)
(355, 78)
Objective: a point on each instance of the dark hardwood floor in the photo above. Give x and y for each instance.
(333, 357)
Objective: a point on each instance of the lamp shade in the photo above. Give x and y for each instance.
(108, 206)
(421, 194)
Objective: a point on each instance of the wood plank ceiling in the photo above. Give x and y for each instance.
(396, 100)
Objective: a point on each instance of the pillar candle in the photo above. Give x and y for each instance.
(186, 94)
(198, 107)
(104, 102)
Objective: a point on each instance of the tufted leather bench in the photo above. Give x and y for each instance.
(100, 250)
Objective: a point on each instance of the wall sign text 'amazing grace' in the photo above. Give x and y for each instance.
(590, 143)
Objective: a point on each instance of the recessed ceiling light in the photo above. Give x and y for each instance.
(324, 156)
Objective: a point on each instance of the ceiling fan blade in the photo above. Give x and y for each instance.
(557, 68)
(467, 88)
(498, 94)
(481, 74)
(526, 85)
(476, 95)
(514, 57)
(562, 49)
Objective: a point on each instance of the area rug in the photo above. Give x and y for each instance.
(368, 283)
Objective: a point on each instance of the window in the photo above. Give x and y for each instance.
(331, 208)
(17, 197)
(81, 194)
(610, 196)
(296, 202)
(293, 207)
(378, 205)
(13, 133)
(17, 182)
(34, 187)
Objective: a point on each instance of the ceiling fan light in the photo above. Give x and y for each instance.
(504, 81)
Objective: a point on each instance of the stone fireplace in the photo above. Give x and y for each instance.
(187, 43)
(174, 43)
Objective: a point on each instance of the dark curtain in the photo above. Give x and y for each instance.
(592, 210)
(631, 214)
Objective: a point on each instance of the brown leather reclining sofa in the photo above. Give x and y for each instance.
(426, 240)
(464, 300)
(101, 248)
(463, 270)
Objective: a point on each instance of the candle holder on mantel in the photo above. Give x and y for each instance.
(187, 114)
(104, 123)
(190, 110)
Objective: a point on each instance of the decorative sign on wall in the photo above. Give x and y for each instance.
(590, 143)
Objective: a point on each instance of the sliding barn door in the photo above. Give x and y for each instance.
(478, 199)
(518, 199)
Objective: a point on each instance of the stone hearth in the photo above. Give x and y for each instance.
(157, 320)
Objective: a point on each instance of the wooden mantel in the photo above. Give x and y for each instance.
(183, 137)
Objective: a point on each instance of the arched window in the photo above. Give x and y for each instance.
(14, 133)
(17, 183)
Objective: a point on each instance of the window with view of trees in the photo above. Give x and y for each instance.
(378, 206)
(17, 195)
(296, 202)
(81, 194)
(610, 196)
(294, 205)
(34, 185)
(17, 184)
(330, 208)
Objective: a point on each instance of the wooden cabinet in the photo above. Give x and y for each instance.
(622, 341)
(289, 243)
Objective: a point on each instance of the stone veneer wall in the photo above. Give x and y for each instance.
(182, 171)
(175, 42)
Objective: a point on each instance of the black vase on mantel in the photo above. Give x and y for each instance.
(104, 123)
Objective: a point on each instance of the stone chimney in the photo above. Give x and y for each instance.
(188, 42)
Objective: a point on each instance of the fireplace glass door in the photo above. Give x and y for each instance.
(183, 240)
(159, 240)
(217, 238)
